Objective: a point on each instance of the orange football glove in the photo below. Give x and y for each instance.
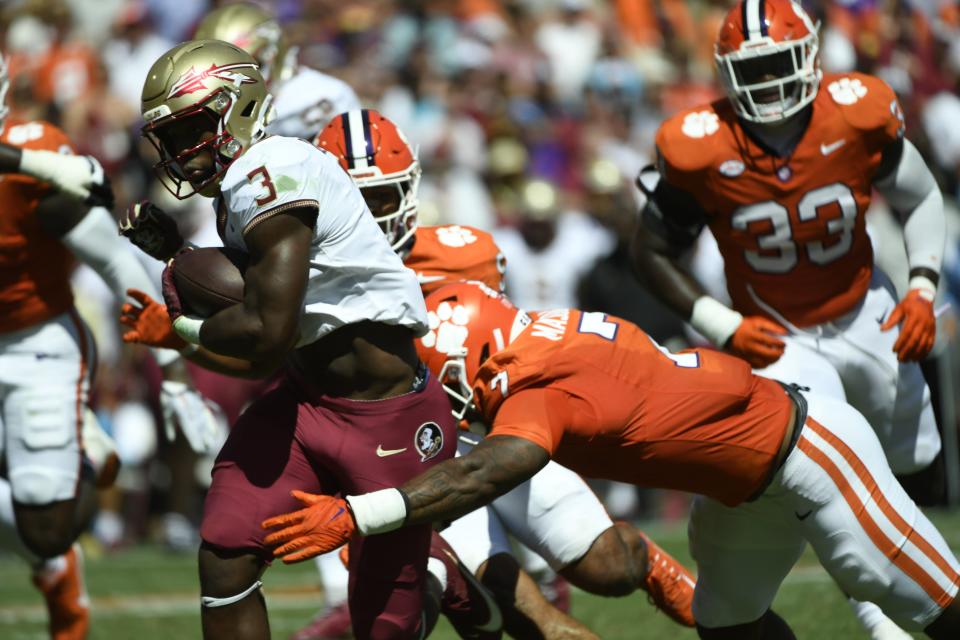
(756, 341)
(149, 323)
(326, 524)
(345, 556)
(918, 329)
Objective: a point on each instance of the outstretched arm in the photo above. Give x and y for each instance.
(449, 490)
(458, 486)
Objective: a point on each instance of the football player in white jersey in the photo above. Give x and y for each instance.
(327, 301)
(305, 99)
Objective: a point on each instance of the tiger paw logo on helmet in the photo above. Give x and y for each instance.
(700, 124)
(448, 331)
(455, 236)
(846, 90)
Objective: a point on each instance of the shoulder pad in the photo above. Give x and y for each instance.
(866, 102)
(278, 154)
(36, 134)
(688, 141)
(456, 236)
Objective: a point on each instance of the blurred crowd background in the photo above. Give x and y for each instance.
(532, 118)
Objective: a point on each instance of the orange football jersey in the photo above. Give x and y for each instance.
(791, 230)
(608, 402)
(34, 265)
(451, 253)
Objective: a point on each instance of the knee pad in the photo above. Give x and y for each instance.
(212, 603)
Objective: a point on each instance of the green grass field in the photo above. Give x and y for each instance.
(146, 593)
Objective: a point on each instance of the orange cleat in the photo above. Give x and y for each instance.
(68, 604)
(668, 584)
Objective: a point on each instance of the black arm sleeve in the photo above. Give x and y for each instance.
(671, 213)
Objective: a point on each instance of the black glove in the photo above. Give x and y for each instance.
(101, 194)
(152, 230)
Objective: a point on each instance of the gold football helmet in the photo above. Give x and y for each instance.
(257, 32)
(203, 97)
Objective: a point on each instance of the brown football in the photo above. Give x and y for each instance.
(209, 279)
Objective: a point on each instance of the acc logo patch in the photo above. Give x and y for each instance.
(846, 91)
(428, 440)
(455, 236)
(731, 168)
(700, 124)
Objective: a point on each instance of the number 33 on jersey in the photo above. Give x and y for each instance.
(798, 217)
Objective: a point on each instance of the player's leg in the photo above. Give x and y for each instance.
(59, 579)
(557, 515)
(892, 396)
(742, 556)
(866, 531)
(46, 374)
(481, 543)
(258, 467)
(333, 621)
(813, 360)
(804, 364)
(383, 444)
(532, 615)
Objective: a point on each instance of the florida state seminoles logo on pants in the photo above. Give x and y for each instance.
(428, 440)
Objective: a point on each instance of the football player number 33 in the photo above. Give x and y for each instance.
(778, 249)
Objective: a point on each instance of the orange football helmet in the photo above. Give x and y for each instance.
(376, 154)
(766, 57)
(469, 322)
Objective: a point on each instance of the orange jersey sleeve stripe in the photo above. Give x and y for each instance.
(81, 377)
(902, 526)
(892, 551)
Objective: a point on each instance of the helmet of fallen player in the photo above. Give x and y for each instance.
(256, 31)
(4, 87)
(469, 322)
(203, 97)
(766, 58)
(376, 154)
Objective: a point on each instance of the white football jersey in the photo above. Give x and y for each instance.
(308, 101)
(354, 274)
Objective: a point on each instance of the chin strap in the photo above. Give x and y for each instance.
(212, 603)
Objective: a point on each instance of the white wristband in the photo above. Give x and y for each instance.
(715, 320)
(378, 511)
(925, 286)
(188, 328)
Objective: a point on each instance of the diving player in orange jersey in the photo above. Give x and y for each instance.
(556, 514)
(779, 468)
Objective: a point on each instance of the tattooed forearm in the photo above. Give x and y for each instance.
(459, 486)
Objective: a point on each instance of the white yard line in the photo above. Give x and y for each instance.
(178, 604)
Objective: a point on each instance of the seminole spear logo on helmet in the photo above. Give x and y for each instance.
(193, 80)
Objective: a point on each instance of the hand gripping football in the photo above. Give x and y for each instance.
(209, 279)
